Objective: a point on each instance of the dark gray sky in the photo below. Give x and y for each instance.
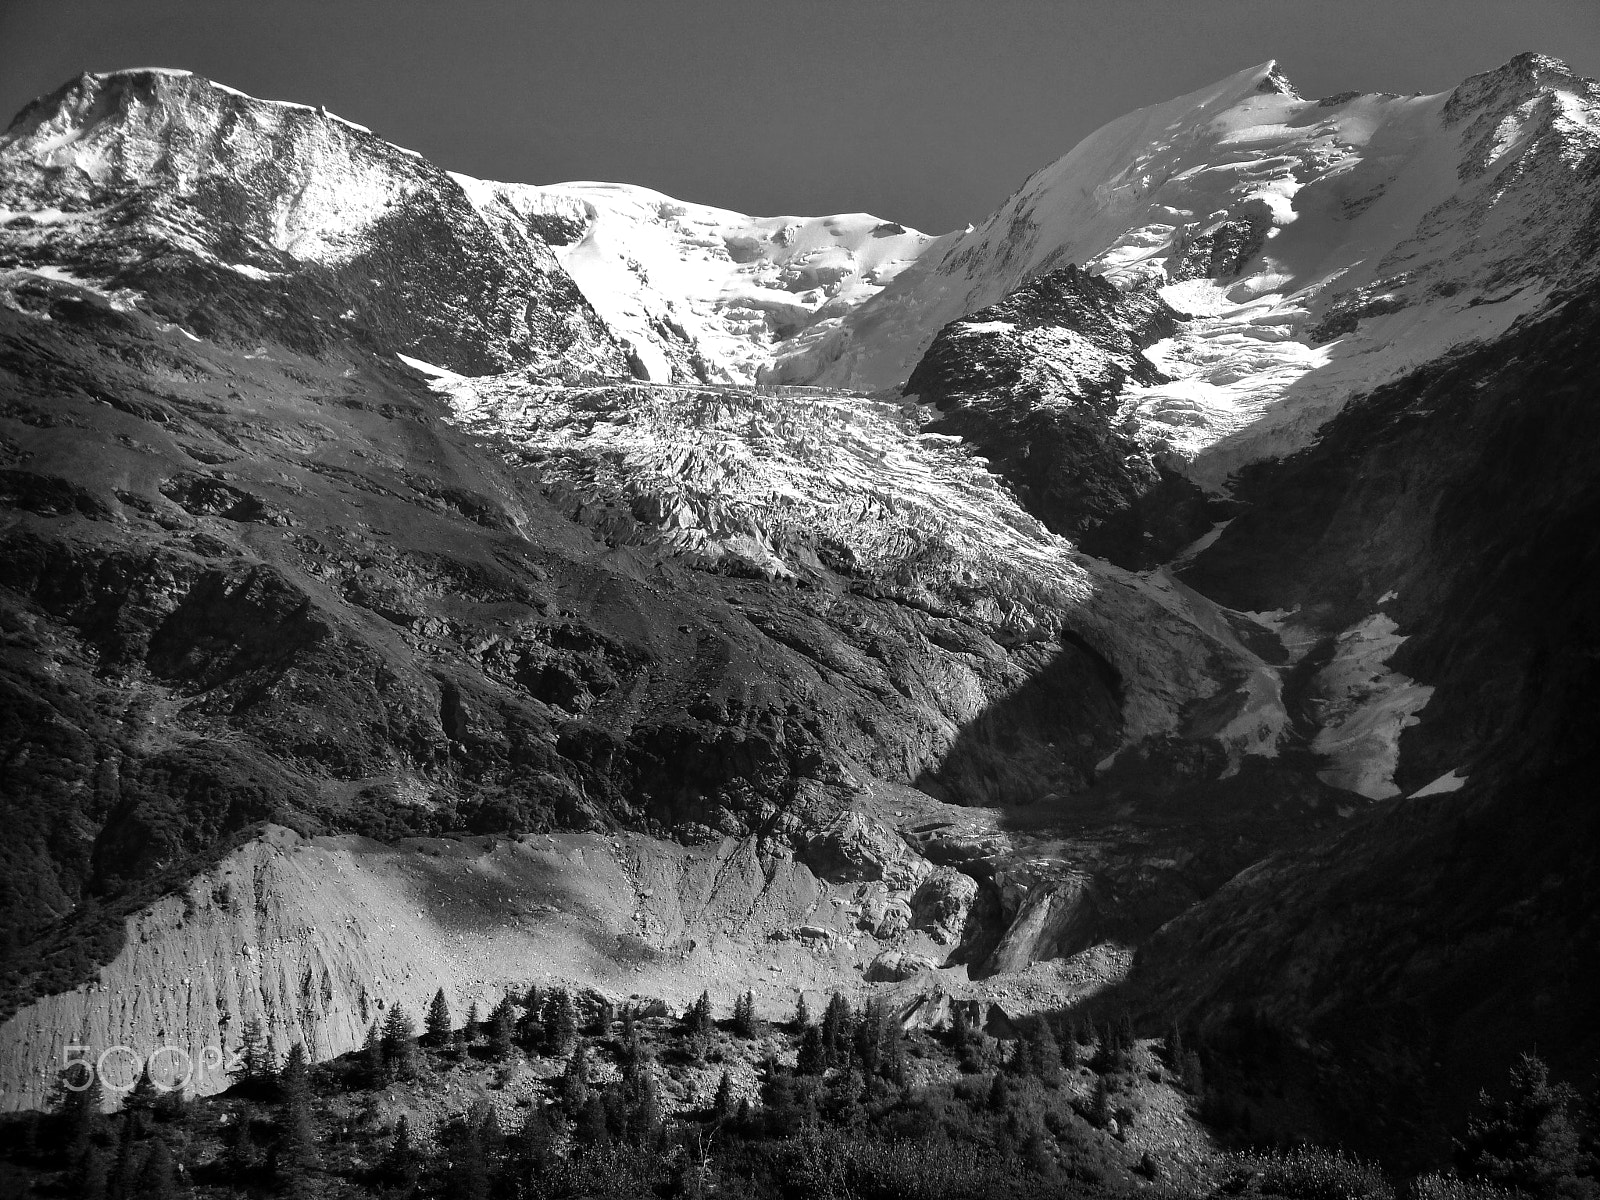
(924, 111)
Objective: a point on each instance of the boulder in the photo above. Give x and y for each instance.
(855, 848)
(941, 903)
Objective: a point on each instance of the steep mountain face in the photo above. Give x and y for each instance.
(236, 211)
(1318, 247)
(1458, 926)
(403, 554)
(1034, 383)
(700, 293)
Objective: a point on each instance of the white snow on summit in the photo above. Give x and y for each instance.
(1383, 231)
(687, 281)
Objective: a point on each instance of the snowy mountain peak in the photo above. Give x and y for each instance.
(128, 174)
(700, 292)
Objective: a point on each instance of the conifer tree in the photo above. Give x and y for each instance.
(140, 1102)
(999, 1093)
(297, 1140)
(590, 1128)
(474, 1021)
(1100, 1104)
(961, 1032)
(1529, 1140)
(121, 1178)
(502, 1025)
(560, 1023)
(399, 1044)
(88, 1178)
(438, 1020)
(399, 1168)
(241, 1157)
(812, 1056)
(698, 1019)
(574, 1085)
(802, 1012)
(722, 1105)
(78, 1107)
(256, 1064)
(156, 1178)
(837, 1027)
(533, 1148)
(744, 1015)
(468, 1178)
(1044, 1055)
(374, 1069)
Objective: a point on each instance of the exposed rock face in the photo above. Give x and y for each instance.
(227, 214)
(1035, 383)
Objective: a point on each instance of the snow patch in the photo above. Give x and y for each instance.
(1451, 781)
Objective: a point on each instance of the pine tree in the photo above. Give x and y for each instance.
(87, 1179)
(502, 1024)
(156, 1179)
(256, 1064)
(812, 1056)
(399, 1167)
(140, 1102)
(294, 1081)
(574, 1085)
(560, 1023)
(241, 1157)
(438, 1020)
(1529, 1141)
(1193, 1077)
(468, 1178)
(1069, 1046)
(837, 1027)
(1174, 1047)
(172, 1105)
(697, 1020)
(1100, 1104)
(1044, 1055)
(474, 1021)
(961, 1032)
(590, 1128)
(530, 1026)
(121, 1179)
(297, 1139)
(698, 1026)
(534, 1143)
(802, 1012)
(722, 1106)
(872, 1035)
(999, 1093)
(78, 1108)
(744, 1015)
(374, 1069)
(399, 1044)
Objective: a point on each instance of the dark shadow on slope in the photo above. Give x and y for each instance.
(1040, 740)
